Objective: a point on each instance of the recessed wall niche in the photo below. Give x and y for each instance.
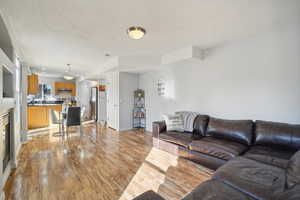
(8, 86)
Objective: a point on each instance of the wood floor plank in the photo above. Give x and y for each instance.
(99, 163)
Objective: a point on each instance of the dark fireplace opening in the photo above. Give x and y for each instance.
(6, 136)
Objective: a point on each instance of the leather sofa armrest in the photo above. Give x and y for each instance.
(157, 128)
(149, 195)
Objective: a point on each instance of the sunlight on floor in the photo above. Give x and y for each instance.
(150, 175)
(161, 159)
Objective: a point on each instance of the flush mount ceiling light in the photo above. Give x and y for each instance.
(67, 75)
(136, 32)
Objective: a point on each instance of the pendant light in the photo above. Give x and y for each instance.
(67, 75)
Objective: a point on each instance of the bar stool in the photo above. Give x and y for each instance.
(73, 118)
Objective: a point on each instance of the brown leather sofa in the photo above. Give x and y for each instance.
(213, 141)
(253, 160)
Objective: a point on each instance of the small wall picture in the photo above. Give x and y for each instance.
(161, 87)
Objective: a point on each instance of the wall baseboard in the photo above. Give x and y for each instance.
(126, 129)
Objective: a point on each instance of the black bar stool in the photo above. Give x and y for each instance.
(73, 118)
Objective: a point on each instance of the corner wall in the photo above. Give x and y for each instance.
(128, 84)
(257, 78)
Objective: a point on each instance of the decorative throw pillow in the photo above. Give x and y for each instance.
(188, 120)
(174, 122)
(293, 170)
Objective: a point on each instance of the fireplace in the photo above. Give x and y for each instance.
(6, 137)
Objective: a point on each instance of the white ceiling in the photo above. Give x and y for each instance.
(52, 33)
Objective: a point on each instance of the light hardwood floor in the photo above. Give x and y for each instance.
(99, 164)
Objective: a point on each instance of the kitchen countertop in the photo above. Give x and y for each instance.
(44, 104)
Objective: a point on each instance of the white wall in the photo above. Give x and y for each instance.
(258, 78)
(5, 41)
(128, 84)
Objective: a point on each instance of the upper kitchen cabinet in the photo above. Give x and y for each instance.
(65, 88)
(33, 84)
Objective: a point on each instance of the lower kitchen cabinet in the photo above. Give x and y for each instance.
(38, 116)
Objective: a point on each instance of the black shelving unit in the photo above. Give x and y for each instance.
(139, 111)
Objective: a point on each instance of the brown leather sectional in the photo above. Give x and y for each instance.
(253, 160)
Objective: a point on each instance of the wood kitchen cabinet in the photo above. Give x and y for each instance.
(38, 116)
(60, 86)
(71, 86)
(55, 107)
(33, 84)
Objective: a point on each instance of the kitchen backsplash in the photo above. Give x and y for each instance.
(31, 98)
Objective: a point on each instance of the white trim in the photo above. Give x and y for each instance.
(6, 173)
(4, 178)
(2, 195)
(17, 153)
(6, 62)
(126, 129)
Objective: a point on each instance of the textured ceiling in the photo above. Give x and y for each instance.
(52, 33)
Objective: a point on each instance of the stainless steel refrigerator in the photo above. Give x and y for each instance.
(94, 103)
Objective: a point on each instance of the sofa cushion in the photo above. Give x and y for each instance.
(293, 170)
(149, 195)
(200, 125)
(259, 180)
(235, 130)
(279, 134)
(206, 160)
(183, 139)
(289, 194)
(273, 156)
(223, 149)
(216, 190)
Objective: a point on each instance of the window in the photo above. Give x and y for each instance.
(44, 91)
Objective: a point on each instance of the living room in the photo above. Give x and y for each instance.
(176, 100)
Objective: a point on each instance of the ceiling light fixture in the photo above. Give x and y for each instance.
(67, 75)
(136, 32)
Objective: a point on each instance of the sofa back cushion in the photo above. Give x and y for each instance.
(200, 125)
(235, 130)
(293, 170)
(277, 134)
(174, 122)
